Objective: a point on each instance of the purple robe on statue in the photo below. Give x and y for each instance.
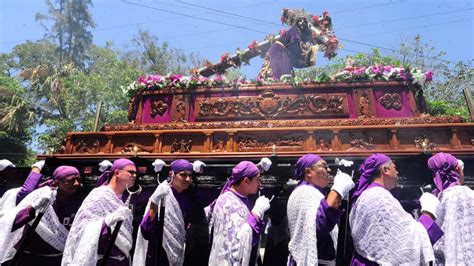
(286, 53)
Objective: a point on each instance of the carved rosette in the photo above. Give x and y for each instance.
(158, 107)
(269, 106)
(391, 101)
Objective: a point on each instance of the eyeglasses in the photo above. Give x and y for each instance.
(184, 174)
(131, 172)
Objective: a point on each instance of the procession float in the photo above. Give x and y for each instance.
(350, 115)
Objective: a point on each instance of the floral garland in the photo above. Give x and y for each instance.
(353, 74)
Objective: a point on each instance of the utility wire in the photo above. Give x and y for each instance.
(272, 23)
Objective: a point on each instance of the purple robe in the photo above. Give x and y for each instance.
(37, 248)
(150, 229)
(30, 184)
(286, 54)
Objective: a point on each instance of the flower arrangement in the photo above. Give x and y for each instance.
(352, 74)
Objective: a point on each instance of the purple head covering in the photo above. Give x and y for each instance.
(304, 162)
(244, 169)
(64, 171)
(181, 165)
(61, 172)
(367, 170)
(443, 165)
(119, 164)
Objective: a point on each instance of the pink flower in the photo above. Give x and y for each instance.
(387, 69)
(175, 78)
(202, 79)
(429, 76)
(253, 45)
(224, 57)
(404, 75)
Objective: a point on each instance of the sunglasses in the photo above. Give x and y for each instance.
(131, 172)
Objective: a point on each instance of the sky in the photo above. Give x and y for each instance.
(211, 28)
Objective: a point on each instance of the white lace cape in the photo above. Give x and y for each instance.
(302, 210)
(232, 238)
(384, 233)
(49, 229)
(83, 241)
(456, 219)
(174, 235)
(8, 200)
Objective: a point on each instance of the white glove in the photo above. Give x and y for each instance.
(461, 164)
(198, 166)
(342, 184)
(104, 165)
(5, 163)
(344, 162)
(429, 203)
(119, 215)
(44, 201)
(158, 165)
(261, 206)
(265, 163)
(39, 165)
(160, 192)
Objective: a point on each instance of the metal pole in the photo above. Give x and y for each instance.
(97, 115)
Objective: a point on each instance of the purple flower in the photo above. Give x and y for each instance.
(404, 75)
(175, 78)
(387, 69)
(429, 76)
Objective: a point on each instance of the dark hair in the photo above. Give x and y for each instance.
(240, 181)
(378, 172)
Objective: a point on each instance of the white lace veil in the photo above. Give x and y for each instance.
(49, 229)
(384, 233)
(456, 219)
(83, 241)
(302, 210)
(232, 241)
(174, 235)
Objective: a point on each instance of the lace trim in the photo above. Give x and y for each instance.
(384, 233)
(232, 241)
(455, 217)
(82, 244)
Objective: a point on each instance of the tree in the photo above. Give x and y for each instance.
(18, 116)
(160, 59)
(71, 26)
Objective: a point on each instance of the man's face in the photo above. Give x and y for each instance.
(127, 175)
(253, 185)
(391, 175)
(182, 180)
(318, 174)
(69, 185)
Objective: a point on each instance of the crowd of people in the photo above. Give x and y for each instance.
(57, 223)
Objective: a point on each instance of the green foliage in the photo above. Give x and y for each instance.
(16, 121)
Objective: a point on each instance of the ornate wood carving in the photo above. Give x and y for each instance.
(219, 146)
(268, 144)
(181, 146)
(180, 110)
(363, 142)
(391, 101)
(269, 106)
(288, 123)
(134, 148)
(83, 147)
(323, 145)
(364, 101)
(424, 143)
(158, 107)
